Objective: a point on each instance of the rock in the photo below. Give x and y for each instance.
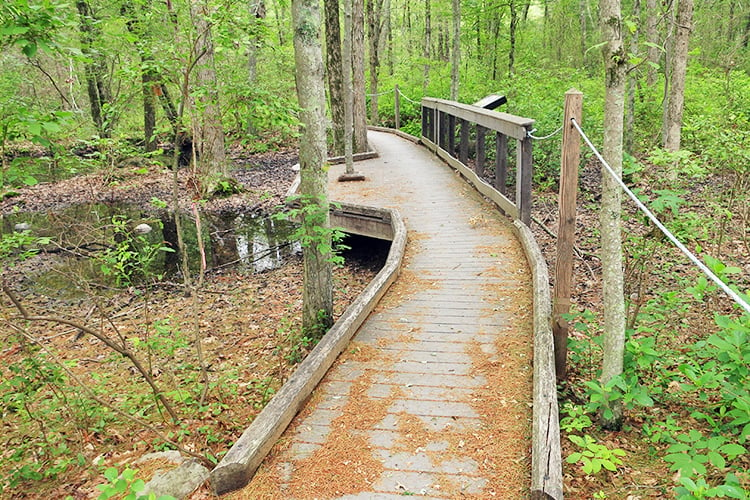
(179, 482)
(142, 229)
(173, 456)
(22, 226)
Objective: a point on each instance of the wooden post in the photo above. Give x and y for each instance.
(571, 148)
(452, 135)
(501, 162)
(481, 151)
(463, 151)
(523, 179)
(397, 106)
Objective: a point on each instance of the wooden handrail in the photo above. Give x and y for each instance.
(439, 121)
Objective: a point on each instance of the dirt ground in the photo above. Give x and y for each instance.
(218, 350)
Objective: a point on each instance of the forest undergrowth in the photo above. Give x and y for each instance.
(97, 372)
(686, 379)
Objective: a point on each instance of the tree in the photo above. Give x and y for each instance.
(208, 133)
(456, 52)
(615, 61)
(359, 104)
(672, 125)
(375, 27)
(317, 297)
(334, 73)
(97, 80)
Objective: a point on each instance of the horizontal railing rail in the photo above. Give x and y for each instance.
(440, 121)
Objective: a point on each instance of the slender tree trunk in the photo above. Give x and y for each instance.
(652, 37)
(317, 308)
(512, 36)
(427, 44)
(456, 52)
(334, 73)
(258, 11)
(348, 88)
(359, 101)
(148, 83)
(208, 133)
(615, 60)
(632, 82)
(388, 35)
(374, 29)
(673, 118)
(95, 67)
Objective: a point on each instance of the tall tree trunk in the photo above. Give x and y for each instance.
(456, 52)
(149, 81)
(359, 102)
(317, 296)
(615, 60)
(427, 44)
(632, 82)
(348, 88)
(208, 133)
(149, 75)
(257, 10)
(374, 29)
(512, 35)
(334, 73)
(387, 27)
(673, 117)
(652, 37)
(95, 67)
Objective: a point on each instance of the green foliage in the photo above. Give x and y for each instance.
(314, 231)
(20, 246)
(594, 457)
(125, 486)
(132, 255)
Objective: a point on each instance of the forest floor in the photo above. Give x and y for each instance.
(65, 393)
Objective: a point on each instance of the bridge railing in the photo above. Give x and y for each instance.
(441, 120)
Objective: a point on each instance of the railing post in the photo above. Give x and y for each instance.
(397, 108)
(523, 180)
(451, 136)
(571, 148)
(463, 148)
(501, 162)
(481, 151)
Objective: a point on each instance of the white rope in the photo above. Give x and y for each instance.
(530, 134)
(739, 300)
(402, 95)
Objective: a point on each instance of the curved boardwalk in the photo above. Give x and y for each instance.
(432, 398)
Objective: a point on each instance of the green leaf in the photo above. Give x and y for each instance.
(732, 450)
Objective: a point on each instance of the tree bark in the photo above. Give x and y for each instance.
(652, 37)
(95, 67)
(456, 52)
(673, 117)
(359, 102)
(615, 60)
(512, 35)
(427, 44)
(208, 134)
(317, 296)
(348, 88)
(374, 13)
(334, 73)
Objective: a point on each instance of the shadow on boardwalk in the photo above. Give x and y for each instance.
(433, 396)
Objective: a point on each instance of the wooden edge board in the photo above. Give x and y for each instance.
(242, 460)
(546, 456)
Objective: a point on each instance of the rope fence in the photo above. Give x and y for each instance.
(695, 260)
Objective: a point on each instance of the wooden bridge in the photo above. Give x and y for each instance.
(451, 347)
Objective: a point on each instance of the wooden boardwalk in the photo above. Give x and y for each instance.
(433, 396)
